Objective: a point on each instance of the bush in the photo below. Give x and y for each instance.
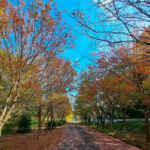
(51, 125)
(8, 129)
(60, 122)
(24, 123)
(130, 126)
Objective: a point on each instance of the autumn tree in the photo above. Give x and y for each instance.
(85, 106)
(130, 70)
(56, 76)
(57, 107)
(122, 79)
(27, 35)
(14, 97)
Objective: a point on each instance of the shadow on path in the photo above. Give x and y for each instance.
(76, 138)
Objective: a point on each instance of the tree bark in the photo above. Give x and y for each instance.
(1, 131)
(147, 132)
(89, 120)
(112, 117)
(104, 121)
(124, 118)
(98, 121)
(110, 121)
(39, 118)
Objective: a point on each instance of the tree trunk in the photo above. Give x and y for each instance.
(104, 121)
(39, 118)
(1, 131)
(124, 118)
(39, 121)
(101, 119)
(98, 121)
(147, 125)
(111, 117)
(5, 118)
(89, 120)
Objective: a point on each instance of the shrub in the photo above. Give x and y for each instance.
(8, 129)
(24, 123)
(51, 125)
(60, 122)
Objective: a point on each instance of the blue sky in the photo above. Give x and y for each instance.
(83, 45)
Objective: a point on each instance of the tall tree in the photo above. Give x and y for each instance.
(28, 33)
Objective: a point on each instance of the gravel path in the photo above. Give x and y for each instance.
(78, 137)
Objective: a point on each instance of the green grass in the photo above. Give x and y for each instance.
(132, 134)
(34, 124)
(11, 127)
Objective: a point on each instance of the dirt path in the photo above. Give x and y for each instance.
(82, 138)
(68, 137)
(31, 141)
(76, 138)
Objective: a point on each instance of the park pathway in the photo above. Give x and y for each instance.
(78, 137)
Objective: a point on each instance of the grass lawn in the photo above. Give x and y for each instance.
(133, 134)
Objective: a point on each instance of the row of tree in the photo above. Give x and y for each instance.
(118, 81)
(32, 75)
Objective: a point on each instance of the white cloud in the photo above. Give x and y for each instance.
(105, 2)
(95, 1)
